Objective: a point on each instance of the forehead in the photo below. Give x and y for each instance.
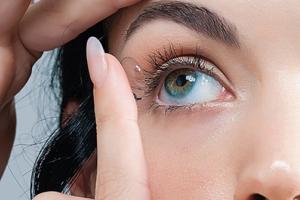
(238, 10)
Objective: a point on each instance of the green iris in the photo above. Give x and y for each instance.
(180, 82)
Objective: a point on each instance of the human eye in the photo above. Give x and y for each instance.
(184, 81)
(188, 86)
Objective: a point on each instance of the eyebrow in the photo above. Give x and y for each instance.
(199, 19)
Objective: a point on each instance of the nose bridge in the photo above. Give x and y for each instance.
(272, 170)
(276, 109)
(277, 114)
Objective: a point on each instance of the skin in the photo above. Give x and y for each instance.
(238, 149)
(234, 150)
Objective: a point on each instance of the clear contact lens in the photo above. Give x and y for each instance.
(136, 77)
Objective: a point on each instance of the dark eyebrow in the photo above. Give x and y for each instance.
(199, 19)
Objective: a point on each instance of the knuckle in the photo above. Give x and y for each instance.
(111, 175)
(117, 118)
(117, 182)
(117, 123)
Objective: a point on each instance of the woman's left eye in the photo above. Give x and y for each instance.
(187, 86)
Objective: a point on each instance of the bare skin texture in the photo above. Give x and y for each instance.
(244, 147)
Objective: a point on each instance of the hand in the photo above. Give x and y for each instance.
(26, 30)
(121, 168)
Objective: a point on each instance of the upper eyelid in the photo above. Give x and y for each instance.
(170, 51)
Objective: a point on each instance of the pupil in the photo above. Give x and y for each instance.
(181, 80)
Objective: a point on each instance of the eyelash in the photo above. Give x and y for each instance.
(167, 60)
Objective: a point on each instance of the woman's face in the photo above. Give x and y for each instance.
(221, 115)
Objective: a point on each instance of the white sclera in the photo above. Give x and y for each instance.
(136, 77)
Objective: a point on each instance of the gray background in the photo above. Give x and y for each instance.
(36, 115)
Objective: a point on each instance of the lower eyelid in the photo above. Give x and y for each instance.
(222, 100)
(153, 105)
(205, 108)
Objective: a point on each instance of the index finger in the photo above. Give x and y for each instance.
(121, 167)
(49, 23)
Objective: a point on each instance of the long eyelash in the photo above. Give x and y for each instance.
(167, 58)
(157, 59)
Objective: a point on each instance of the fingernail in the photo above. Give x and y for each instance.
(96, 60)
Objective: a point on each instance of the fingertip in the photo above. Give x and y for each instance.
(115, 98)
(94, 46)
(96, 59)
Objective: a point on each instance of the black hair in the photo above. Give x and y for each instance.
(70, 145)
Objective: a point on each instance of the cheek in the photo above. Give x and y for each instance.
(189, 158)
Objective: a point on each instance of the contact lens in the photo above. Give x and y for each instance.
(136, 77)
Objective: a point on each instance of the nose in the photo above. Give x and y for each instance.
(271, 163)
(270, 168)
(277, 181)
